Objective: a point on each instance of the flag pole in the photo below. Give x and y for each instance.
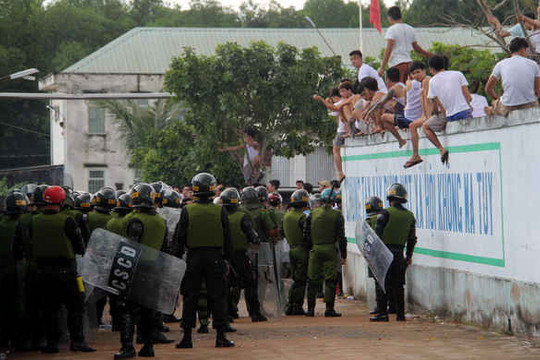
(361, 37)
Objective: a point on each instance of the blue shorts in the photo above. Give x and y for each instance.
(465, 114)
(401, 121)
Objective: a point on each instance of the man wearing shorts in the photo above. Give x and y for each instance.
(449, 90)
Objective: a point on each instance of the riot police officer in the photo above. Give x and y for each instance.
(243, 234)
(396, 226)
(324, 231)
(293, 228)
(204, 231)
(146, 226)
(117, 223)
(104, 200)
(10, 335)
(373, 207)
(55, 238)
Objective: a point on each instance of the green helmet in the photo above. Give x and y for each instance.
(172, 199)
(105, 199)
(373, 205)
(143, 196)
(262, 193)
(299, 198)
(123, 202)
(16, 203)
(249, 196)
(203, 185)
(397, 191)
(230, 198)
(83, 202)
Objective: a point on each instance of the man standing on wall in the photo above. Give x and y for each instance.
(400, 40)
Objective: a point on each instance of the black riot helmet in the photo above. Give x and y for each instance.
(105, 199)
(83, 202)
(373, 205)
(172, 199)
(123, 203)
(230, 198)
(159, 187)
(16, 203)
(143, 196)
(38, 195)
(203, 185)
(120, 193)
(29, 190)
(397, 192)
(69, 201)
(299, 198)
(249, 196)
(262, 194)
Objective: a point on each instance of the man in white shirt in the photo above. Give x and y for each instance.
(520, 80)
(449, 91)
(400, 41)
(364, 70)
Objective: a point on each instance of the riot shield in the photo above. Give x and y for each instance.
(172, 217)
(142, 275)
(377, 255)
(269, 281)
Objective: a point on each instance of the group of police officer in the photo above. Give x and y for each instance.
(45, 227)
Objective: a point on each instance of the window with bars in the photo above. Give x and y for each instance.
(96, 180)
(96, 120)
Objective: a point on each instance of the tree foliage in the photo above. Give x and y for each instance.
(261, 87)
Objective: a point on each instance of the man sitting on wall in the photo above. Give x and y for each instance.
(520, 80)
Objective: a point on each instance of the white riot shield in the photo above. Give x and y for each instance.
(172, 217)
(142, 275)
(377, 255)
(269, 281)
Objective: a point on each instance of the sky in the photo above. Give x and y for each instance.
(298, 4)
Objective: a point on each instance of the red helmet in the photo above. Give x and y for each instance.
(274, 199)
(54, 195)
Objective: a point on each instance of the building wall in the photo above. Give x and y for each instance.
(477, 251)
(311, 168)
(73, 145)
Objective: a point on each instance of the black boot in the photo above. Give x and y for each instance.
(311, 308)
(289, 310)
(125, 352)
(229, 328)
(82, 347)
(171, 319)
(147, 350)
(330, 311)
(50, 349)
(221, 340)
(379, 318)
(186, 342)
(258, 317)
(203, 329)
(297, 310)
(160, 338)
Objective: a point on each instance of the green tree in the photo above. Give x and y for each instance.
(259, 87)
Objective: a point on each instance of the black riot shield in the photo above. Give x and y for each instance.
(125, 268)
(377, 255)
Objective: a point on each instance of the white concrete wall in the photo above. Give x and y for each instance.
(80, 151)
(478, 242)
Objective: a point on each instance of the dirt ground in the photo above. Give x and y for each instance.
(349, 337)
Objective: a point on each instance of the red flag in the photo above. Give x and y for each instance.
(375, 15)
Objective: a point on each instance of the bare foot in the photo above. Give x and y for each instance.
(402, 143)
